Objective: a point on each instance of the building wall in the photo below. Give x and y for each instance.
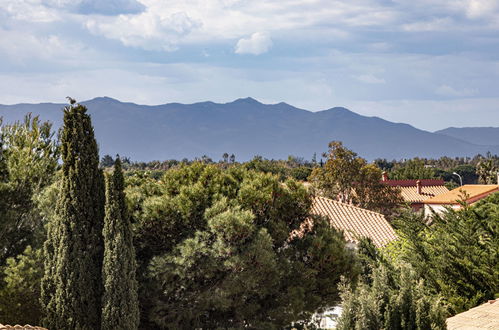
(439, 208)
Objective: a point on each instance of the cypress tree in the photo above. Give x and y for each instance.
(72, 284)
(120, 302)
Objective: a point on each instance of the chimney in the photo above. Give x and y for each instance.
(418, 186)
(384, 176)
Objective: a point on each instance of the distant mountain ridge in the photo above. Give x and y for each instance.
(475, 135)
(246, 127)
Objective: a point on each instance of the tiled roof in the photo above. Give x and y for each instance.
(475, 192)
(20, 327)
(413, 183)
(482, 317)
(355, 222)
(411, 195)
(409, 190)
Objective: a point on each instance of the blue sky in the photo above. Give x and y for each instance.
(432, 64)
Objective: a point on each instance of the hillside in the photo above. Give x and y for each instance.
(246, 128)
(475, 135)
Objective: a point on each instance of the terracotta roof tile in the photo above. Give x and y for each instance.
(355, 222)
(411, 195)
(475, 192)
(483, 317)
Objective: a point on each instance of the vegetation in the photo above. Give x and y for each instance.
(457, 254)
(72, 283)
(120, 306)
(479, 169)
(28, 160)
(391, 299)
(219, 250)
(20, 292)
(350, 179)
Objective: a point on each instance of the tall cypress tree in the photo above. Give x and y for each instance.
(120, 303)
(72, 284)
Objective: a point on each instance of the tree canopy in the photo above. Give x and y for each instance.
(457, 254)
(350, 179)
(72, 283)
(215, 246)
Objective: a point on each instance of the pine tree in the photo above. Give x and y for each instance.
(120, 302)
(72, 284)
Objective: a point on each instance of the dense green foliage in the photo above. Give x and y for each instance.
(413, 169)
(457, 254)
(479, 169)
(293, 167)
(348, 178)
(215, 250)
(391, 299)
(20, 290)
(72, 283)
(28, 160)
(120, 306)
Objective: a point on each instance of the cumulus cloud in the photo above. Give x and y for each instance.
(258, 43)
(149, 30)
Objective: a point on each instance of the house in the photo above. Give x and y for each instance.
(483, 317)
(469, 193)
(415, 192)
(354, 221)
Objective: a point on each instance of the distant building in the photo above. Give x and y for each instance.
(415, 192)
(469, 193)
(483, 317)
(354, 221)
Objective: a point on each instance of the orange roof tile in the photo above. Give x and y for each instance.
(475, 192)
(355, 222)
(483, 317)
(410, 194)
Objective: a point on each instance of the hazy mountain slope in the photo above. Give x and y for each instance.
(475, 135)
(246, 128)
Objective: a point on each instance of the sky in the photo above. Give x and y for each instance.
(429, 63)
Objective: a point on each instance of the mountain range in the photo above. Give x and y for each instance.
(246, 127)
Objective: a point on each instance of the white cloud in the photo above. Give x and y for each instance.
(32, 11)
(22, 47)
(229, 20)
(258, 43)
(481, 8)
(149, 30)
